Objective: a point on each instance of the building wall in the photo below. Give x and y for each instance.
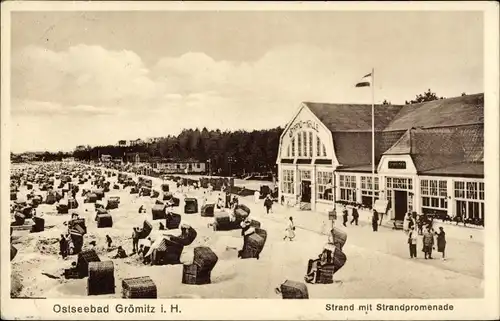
(307, 128)
(396, 175)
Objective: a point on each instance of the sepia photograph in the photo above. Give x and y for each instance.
(211, 153)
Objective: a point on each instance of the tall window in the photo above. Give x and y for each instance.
(293, 147)
(299, 144)
(311, 144)
(434, 195)
(288, 151)
(325, 186)
(367, 187)
(318, 146)
(469, 197)
(347, 185)
(304, 138)
(288, 185)
(324, 150)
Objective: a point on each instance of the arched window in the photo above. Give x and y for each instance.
(324, 150)
(288, 151)
(293, 147)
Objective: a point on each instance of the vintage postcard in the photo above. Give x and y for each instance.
(249, 160)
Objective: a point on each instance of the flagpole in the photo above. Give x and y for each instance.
(373, 137)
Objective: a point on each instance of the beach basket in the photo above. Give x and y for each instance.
(158, 211)
(167, 196)
(72, 203)
(339, 237)
(71, 273)
(293, 290)
(254, 244)
(339, 259)
(13, 196)
(104, 220)
(167, 253)
(139, 288)
(39, 225)
(207, 210)
(27, 211)
(191, 274)
(20, 218)
(91, 198)
(82, 263)
(176, 201)
(204, 258)
(185, 240)
(146, 229)
(241, 211)
(78, 225)
(324, 273)
(165, 188)
(112, 204)
(13, 252)
(146, 191)
(99, 193)
(116, 186)
(173, 221)
(101, 278)
(155, 194)
(255, 224)
(190, 205)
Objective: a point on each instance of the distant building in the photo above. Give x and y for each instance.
(136, 142)
(172, 166)
(122, 143)
(153, 140)
(68, 159)
(137, 158)
(80, 148)
(106, 158)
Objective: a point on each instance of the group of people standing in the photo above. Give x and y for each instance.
(414, 227)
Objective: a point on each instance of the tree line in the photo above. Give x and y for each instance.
(228, 152)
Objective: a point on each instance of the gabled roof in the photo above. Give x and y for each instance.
(437, 134)
(402, 146)
(440, 113)
(441, 147)
(351, 117)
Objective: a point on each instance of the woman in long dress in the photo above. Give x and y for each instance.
(441, 241)
(290, 230)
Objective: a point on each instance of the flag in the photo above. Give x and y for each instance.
(365, 81)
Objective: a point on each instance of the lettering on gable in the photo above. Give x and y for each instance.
(396, 165)
(303, 124)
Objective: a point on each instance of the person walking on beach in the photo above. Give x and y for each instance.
(63, 246)
(135, 240)
(355, 216)
(109, 241)
(412, 243)
(345, 216)
(441, 241)
(290, 230)
(375, 221)
(268, 203)
(428, 243)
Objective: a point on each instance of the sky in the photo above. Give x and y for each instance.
(94, 78)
